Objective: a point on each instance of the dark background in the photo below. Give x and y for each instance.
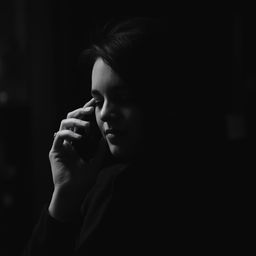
(40, 82)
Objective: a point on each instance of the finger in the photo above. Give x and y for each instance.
(74, 124)
(80, 112)
(91, 102)
(64, 135)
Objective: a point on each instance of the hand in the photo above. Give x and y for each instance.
(72, 175)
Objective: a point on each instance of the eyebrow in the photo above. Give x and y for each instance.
(115, 90)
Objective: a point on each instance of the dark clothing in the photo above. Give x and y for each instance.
(117, 218)
(137, 211)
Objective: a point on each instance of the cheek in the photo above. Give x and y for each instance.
(99, 122)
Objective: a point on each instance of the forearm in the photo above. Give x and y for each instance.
(58, 226)
(51, 237)
(65, 206)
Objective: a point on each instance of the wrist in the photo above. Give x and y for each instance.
(63, 206)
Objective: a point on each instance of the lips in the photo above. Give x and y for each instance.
(114, 136)
(112, 131)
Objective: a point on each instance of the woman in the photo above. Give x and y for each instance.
(136, 170)
(106, 197)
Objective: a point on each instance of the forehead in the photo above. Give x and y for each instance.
(104, 77)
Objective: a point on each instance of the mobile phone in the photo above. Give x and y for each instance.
(88, 145)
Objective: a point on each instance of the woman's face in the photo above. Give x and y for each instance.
(117, 114)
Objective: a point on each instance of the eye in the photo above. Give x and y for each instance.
(98, 103)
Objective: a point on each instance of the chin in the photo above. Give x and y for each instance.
(115, 150)
(118, 152)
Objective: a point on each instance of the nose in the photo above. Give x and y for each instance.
(108, 111)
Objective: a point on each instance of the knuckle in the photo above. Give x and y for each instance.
(56, 134)
(74, 113)
(69, 114)
(50, 154)
(63, 122)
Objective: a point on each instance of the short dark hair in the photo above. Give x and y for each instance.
(134, 48)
